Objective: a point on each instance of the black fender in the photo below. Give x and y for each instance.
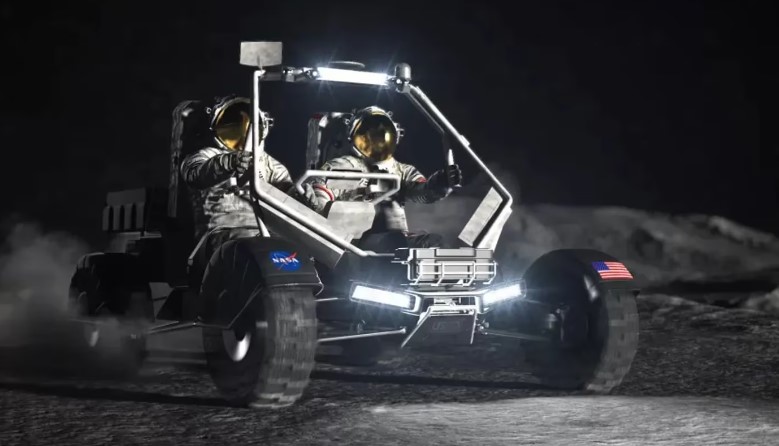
(601, 272)
(264, 263)
(104, 276)
(588, 262)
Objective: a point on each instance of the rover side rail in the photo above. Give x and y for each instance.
(334, 174)
(323, 238)
(484, 227)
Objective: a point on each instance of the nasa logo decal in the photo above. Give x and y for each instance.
(285, 261)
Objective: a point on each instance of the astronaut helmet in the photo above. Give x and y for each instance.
(373, 134)
(230, 122)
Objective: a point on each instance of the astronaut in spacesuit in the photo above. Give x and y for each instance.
(373, 137)
(218, 174)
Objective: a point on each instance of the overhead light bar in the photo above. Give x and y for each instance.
(350, 76)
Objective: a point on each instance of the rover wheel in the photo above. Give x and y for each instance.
(593, 326)
(103, 290)
(267, 358)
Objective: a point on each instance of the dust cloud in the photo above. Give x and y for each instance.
(40, 330)
(35, 272)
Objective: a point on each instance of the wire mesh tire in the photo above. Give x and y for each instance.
(267, 360)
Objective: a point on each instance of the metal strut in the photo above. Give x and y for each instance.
(363, 335)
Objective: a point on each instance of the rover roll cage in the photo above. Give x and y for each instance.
(329, 244)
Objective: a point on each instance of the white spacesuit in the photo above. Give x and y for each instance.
(373, 137)
(218, 175)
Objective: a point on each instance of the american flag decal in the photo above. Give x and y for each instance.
(612, 271)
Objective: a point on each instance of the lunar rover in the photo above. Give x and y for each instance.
(266, 303)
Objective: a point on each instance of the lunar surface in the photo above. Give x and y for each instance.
(706, 372)
(703, 375)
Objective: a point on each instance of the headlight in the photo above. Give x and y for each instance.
(504, 293)
(379, 296)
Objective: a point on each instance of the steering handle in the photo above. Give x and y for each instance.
(334, 174)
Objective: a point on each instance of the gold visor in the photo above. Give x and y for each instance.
(232, 125)
(376, 137)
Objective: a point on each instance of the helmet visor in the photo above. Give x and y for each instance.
(376, 137)
(231, 125)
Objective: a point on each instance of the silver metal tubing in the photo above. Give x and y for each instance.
(421, 101)
(511, 334)
(329, 299)
(258, 146)
(352, 176)
(363, 335)
(179, 326)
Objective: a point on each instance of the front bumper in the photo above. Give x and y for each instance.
(447, 290)
(417, 301)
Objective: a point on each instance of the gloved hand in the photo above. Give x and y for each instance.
(313, 198)
(447, 178)
(454, 176)
(240, 161)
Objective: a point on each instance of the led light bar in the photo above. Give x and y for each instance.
(350, 76)
(503, 293)
(383, 297)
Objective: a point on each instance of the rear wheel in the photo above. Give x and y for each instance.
(266, 359)
(114, 304)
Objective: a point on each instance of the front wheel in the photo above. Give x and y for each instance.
(267, 356)
(591, 324)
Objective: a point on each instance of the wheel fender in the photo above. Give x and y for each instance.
(601, 271)
(595, 325)
(282, 263)
(279, 263)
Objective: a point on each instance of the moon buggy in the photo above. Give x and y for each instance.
(266, 303)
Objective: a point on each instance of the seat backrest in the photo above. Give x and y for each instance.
(186, 135)
(327, 138)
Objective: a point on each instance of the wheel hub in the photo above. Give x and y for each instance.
(92, 335)
(236, 343)
(572, 325)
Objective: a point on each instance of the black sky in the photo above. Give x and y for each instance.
(659, 105)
